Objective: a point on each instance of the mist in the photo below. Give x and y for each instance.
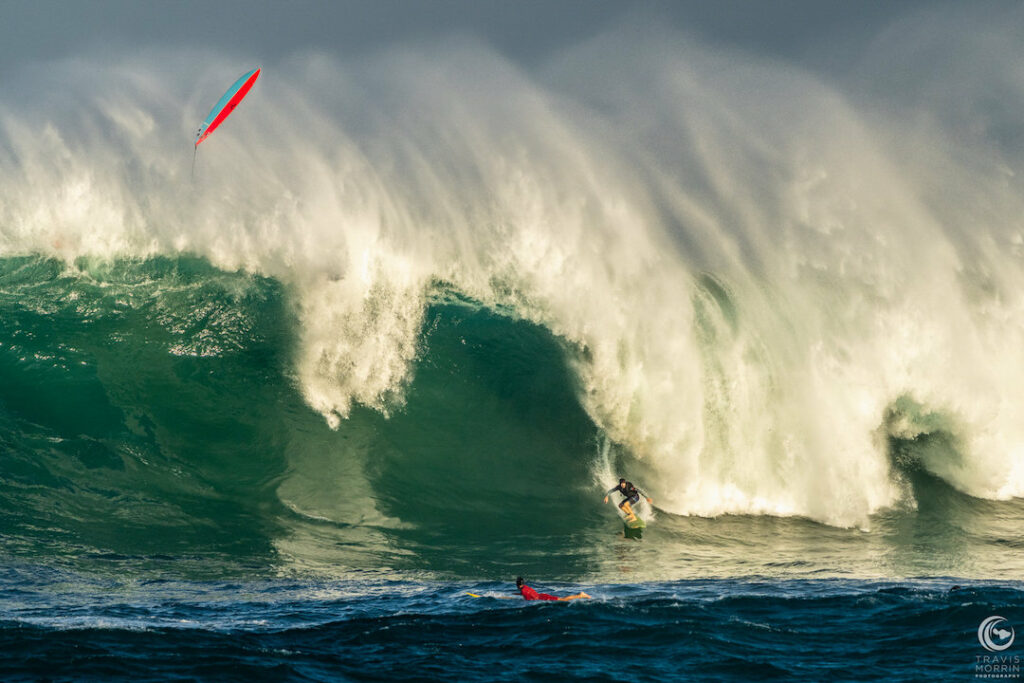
(762, 272)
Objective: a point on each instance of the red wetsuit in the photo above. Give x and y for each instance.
(530, 594)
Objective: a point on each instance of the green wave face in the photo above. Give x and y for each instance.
(143, 406)
(147, 408)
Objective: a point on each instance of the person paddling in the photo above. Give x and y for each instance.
(630, 496)
(530, 594)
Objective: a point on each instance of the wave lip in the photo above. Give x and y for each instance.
(744, 274)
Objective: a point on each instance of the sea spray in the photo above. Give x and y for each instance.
(745, 278)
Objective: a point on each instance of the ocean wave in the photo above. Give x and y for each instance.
(745, 280)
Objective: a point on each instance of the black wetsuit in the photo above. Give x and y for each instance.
(630, 493)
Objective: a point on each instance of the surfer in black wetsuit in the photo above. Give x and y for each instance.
(630, 495)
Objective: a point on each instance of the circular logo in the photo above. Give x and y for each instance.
(995, 635)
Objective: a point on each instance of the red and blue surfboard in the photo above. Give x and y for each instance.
(235, 94)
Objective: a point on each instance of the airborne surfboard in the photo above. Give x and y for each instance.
(225, 105)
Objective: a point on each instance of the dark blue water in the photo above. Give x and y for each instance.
(61, 626)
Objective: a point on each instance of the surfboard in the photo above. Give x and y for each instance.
(634, 522)
(633, 526)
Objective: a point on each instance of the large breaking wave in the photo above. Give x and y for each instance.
(771, 293)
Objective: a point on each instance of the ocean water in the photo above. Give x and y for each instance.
(276, 422)
(174, 509)
(374, 629)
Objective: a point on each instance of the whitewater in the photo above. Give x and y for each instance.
(751, 280)
(418, 310)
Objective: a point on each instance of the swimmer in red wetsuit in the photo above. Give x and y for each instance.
(530, 594)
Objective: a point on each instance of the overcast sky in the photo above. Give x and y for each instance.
(524, 30)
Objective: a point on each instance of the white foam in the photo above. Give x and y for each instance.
(595, 197)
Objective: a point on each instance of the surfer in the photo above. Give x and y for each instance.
(630, 496)
(530, 594)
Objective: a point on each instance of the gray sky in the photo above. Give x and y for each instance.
(525, 30)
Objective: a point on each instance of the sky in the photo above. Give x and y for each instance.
(526, 31)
